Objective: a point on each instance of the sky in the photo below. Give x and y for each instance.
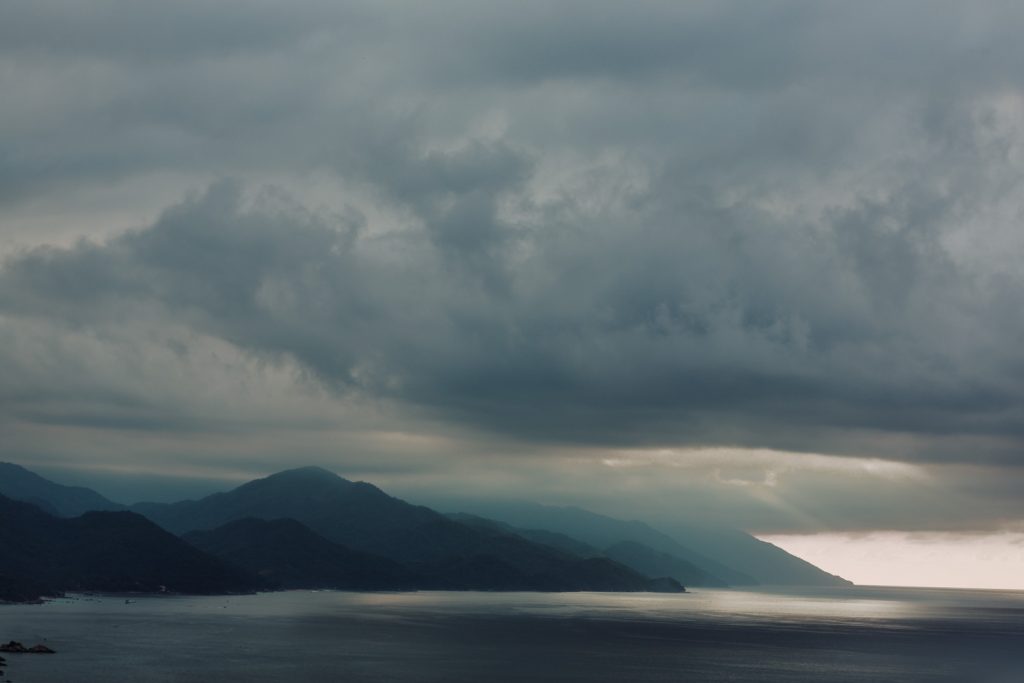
(756, 263)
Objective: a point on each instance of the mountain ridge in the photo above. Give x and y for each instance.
(522, 545)
(359, 516)
(102, 551)
(20, 483)
(730, 555)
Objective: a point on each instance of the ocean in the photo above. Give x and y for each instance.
(835, 635)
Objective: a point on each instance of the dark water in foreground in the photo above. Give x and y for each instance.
(857, 634)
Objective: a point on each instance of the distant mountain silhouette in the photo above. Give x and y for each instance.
(102, 551)
(601, 531)
(566, 544)
(653, 562)
(18, 483)
(590, 566)
(286, 554)
(769, 564)
(444, 553)
(309, 528)
(726, 556)
(637, 556)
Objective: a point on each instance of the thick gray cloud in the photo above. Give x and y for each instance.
(589, 226)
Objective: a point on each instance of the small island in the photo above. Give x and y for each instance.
(17, 648)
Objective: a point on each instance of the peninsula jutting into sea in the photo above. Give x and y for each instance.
(309, 528)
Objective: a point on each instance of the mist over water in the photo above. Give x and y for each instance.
(859, 634)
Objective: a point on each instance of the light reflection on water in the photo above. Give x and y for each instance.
(855, 634)
(871, 604)
(725, 604)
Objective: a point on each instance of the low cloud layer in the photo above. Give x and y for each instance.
(520, 233)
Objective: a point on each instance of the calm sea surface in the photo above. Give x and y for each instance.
(860, 634)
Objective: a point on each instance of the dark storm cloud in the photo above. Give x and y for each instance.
(787, 225)
(697, 330)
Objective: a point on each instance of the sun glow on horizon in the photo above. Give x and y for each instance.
(992, 560)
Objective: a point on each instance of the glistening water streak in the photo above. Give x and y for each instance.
(858, 634)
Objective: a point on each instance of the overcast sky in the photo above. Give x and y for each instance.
(760, 262)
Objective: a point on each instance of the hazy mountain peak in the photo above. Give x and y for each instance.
(307, 473)
(300, 479)
(311, 481)
(21, 484)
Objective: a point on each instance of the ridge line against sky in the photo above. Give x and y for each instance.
(757, 262)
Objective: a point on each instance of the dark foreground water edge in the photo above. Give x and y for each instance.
(856, 634)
